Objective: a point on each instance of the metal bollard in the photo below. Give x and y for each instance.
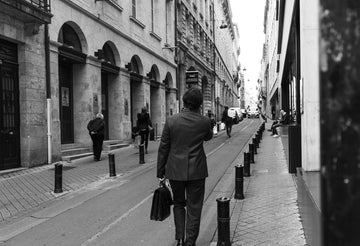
(255, 145)
(58, 178)
(156, 131)
(112, 169)
(257, 140)
(141, 154)
(246, 169)
(251, 153)
(223, 213)
(218, 127)
(239, 182)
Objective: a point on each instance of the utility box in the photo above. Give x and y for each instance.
(294, 147)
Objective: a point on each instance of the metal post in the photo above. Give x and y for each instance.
(246, 169)
(223, 213)
(112, 169)
(239, 182)
(58, 178)
(251, 153)
(257, 140)
(255, 145)
(156, 131)
(141, 153)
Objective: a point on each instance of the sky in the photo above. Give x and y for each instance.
(249, 16)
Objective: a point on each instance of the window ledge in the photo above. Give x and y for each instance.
(115, 5)
(154, 35)
(137, 22)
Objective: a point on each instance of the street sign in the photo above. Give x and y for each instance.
(192, 77)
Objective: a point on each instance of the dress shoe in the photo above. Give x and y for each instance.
(180, 242)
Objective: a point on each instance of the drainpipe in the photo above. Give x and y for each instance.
(48, 92)
(214, 61)
(176, 56)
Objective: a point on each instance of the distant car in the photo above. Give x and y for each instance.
(253, 113)
(243, 111)
(236, 114)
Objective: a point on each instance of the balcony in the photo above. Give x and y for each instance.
(30, 11)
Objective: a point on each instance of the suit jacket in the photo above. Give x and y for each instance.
(181, 154)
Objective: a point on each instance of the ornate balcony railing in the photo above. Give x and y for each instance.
(28, 10)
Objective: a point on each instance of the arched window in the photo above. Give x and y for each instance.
(134, 66)
(108, 54)
(69, 37)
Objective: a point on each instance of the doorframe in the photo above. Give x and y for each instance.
(10, 60)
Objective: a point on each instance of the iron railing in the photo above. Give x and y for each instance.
(42, 5)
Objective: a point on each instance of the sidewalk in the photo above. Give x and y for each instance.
(269, 214)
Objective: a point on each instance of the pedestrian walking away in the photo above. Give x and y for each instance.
(96, 128)
(227, 120)
(182, 160)
(144, 125)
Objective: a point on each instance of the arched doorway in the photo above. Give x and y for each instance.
(155, 97)
(136, 88)
(70, 54)
(109, 71)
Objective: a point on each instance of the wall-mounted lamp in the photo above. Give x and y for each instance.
(223, 25)
(169, 47)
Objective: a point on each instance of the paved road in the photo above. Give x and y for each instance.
(115, 211)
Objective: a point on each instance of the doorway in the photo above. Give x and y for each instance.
(9, 110)
(105, 102)
(66, 102)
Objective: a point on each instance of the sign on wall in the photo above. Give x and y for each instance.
(192, 78)
(65, 96)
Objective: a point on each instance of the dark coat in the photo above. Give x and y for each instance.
(97, 126)
(181, 154)
(143, 122)
(226, 119)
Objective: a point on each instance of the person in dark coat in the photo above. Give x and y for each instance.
(227, 120)
(144, 125)
(96, 128)
(182, 160)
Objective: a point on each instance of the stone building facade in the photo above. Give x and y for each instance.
(198, 27)
(227, 66)
(23, 124)
(104, 56)
(62, 65)
(108, 56)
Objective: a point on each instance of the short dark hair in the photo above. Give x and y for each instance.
(192, 98)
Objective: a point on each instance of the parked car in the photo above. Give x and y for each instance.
(236, 114)
(253, 113)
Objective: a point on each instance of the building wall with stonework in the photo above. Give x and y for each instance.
(195, 52)
(136, 38)
(226, 62)
(22, 86)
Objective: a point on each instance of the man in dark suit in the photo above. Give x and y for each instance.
(182, 160)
